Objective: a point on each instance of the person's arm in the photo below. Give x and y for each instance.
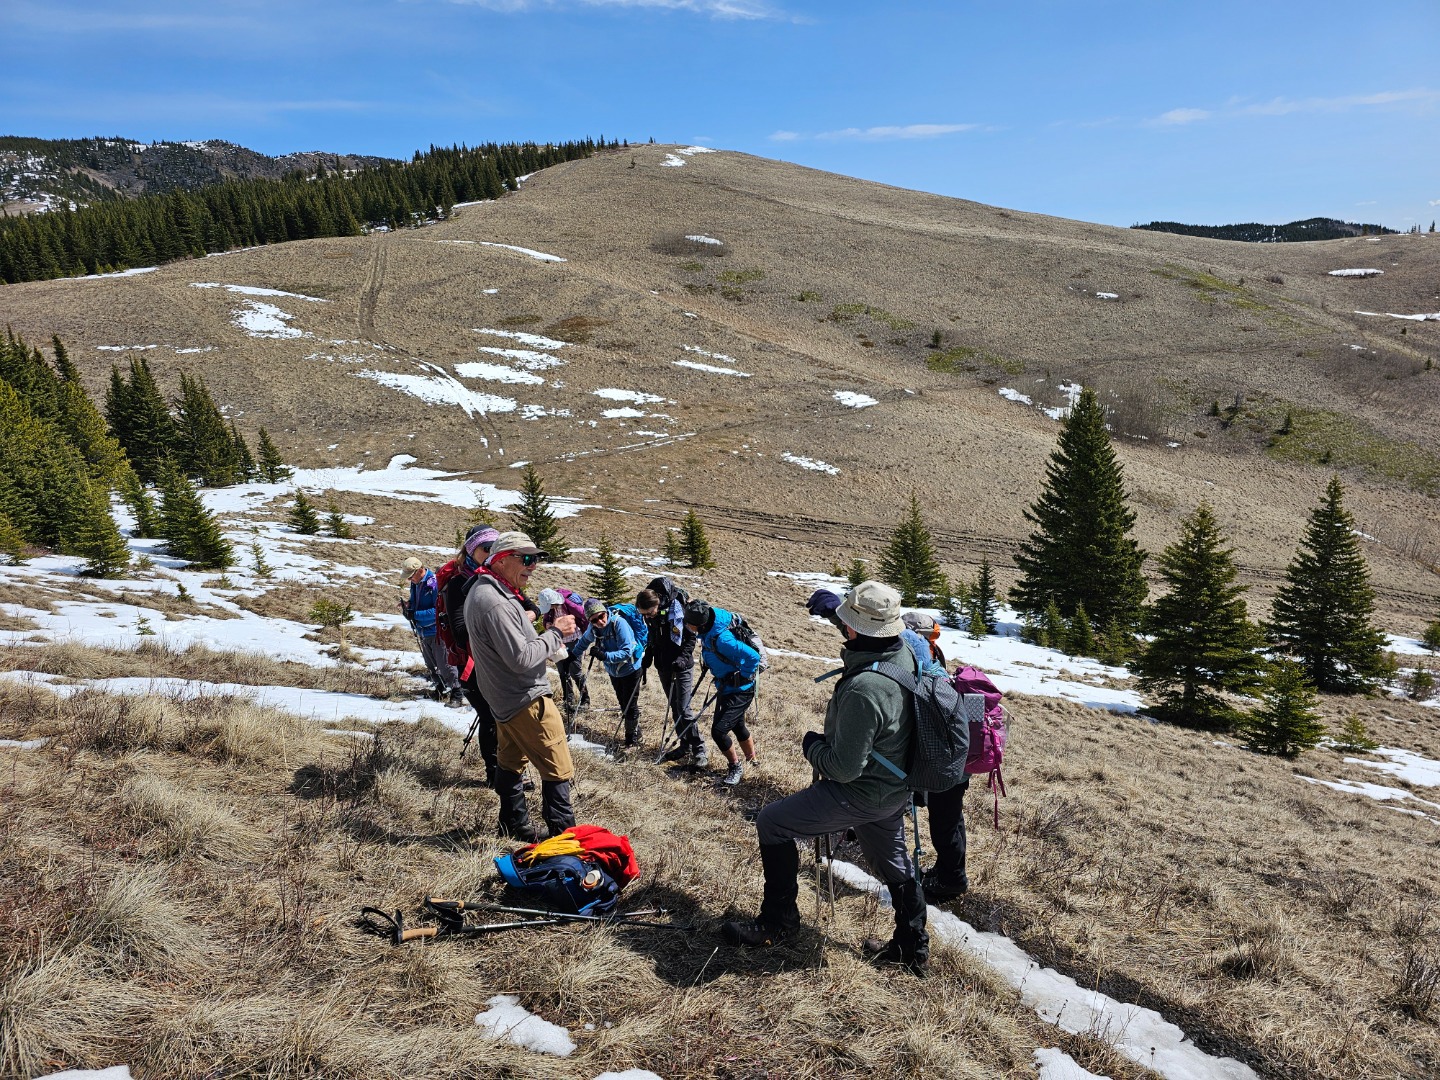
(623, 638)
(734, 651)
(842, 754)
(583, 642)
(513, 638)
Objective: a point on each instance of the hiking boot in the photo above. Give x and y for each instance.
(457, 699)
(733, 774)
(518, 830)
(680, 753)
(940, 889)
(882, 953)
(756, 933)
(701, 762)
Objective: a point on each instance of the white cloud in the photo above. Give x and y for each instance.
(1435, 202)
(1182, 116)
(719, 9)
(873, 134)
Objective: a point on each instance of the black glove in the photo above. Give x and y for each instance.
(920, 798)
(810, 739)
(594, 652)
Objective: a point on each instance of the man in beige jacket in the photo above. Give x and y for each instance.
(510, 672)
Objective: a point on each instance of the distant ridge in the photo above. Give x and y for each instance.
(40, 174)
(1316, 228)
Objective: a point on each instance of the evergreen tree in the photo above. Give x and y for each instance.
(140, 421)
(249, 470)
(1081, 551)
(694, 544)
(982, 596)
(608, 581)
(273, 469)
(337, 525)
(1080, 637)
(1431, 638)
(1354, 736)
(142, 506)
(97, 540)
(951, 612)
(977, 626)
(302, 516)
(536, 520)
(909, 563)
(190, 530)
(12, 544)
(1053, 633)
(1286, 722)
(673, 554)
(205, 446)
(856, 573)
(1321, 616)
(1117, 644)
(1202, 641)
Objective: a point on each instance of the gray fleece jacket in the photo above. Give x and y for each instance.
(509, 655)
(867, 713)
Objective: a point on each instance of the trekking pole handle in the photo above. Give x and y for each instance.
(415, 933)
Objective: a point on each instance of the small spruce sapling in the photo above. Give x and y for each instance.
(1354, 736)
(12, 544)
(977, 628)
(262, 568)
(694, 544)
(1420, 684)
(856, 573)
(1053, 633)
(337, 525)
(332, 615)
(607, 581)
(1285, 723)
(302, 517)
(1431, 638)
(1081, 637)
(673, 555)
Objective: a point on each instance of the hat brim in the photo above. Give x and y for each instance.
(530, 549)
(865, 626)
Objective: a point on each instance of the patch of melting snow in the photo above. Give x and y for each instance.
(623, 412)
(497, 373)
(441, 389)
(1141, 1035)
(812, 464)
(538, 255)
(689, 315)
(1055, 1064)
(1407, 645)
(253, 290)
(114, 1072)
(1071, 391)
(702, 239)
(688, 150)
(1403, 765)
(535, 341)
(132, 272)
(22, 744)
(508, 1021)
(710, 368)
(526, 358)
(124, 348)
(1378, 792)
(853, 400)
(636, 396)
(1010, 394)
(1434, 316)
(1356, 273)
(1108, 295)
(672, 162)
(261, 320)
(709, 355)
(628, 1074)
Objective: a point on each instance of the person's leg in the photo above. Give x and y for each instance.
(509, 785)
(541, 730)
(730, 712)
(883, 842)
(566, 669)
(485, 733)
(947, 879)
(627, 693)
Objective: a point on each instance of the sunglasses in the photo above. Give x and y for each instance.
(528, 560)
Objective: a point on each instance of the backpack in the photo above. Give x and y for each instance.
(987, 728)
(746, 635)
(566, 883)
(574, 605)
(941, 744)
(450, 592)
(637, 623)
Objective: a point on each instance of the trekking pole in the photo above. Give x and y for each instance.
(615, 735)
(830, 873)
(435, 682)
(474, 727)
(670, 711)
(454, 910)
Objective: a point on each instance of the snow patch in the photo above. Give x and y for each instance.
(636, 396)
(812, 464)
(1403, 765)
(261, 320)
(1356, 273)
(1378, 792)
(710, 368)
(535, 341)
(853, 400)
(526, 358)
(1434, 316)
(672, 162)
(622, 412)
(508, 1021)
(497, 373)
(22, 744)
(1010, 394)
(132, 272)
(253, 290)
(1107, 296)
(702, 239)
(1057, 1065)
(114, 1072)
(537, 255)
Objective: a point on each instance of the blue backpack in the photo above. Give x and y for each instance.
(563, 883)
(637, 623)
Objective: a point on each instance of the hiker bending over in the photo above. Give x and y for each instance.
(419, 609)
(573, 686)
(868, 714)
(945, 809)
(454, 580)
(732, 664)
(671, 652)
(510, 670)
(614, 642)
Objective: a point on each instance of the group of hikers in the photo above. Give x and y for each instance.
(497, 644)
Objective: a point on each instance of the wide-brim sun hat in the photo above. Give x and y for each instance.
(410, 565)
(513, 543)
(872, 609)
(548, 598)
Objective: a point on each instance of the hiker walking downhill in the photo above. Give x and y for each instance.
(454, 580)
(733, 665)
(510, 662)
(868, 715)
(613, 641)
(671, 653)
(419, 609)
(574, 688)
(945, 810)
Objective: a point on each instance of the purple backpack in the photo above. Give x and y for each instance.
(987, 729)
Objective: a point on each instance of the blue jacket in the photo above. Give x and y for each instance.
(619, 651)
(920, 649)
(422, 604)
(727, 656)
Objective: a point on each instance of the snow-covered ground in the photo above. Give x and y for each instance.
(1356, 273)
(711, 368)
(812, 464)
(854, 400)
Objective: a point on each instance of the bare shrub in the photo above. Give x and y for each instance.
(1262, 950)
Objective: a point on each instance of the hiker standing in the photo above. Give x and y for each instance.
(868, 714)
(454, 580)
(510, 670)
(614, 642)
(733, 665)
(671, 653)
(419, 609)
(945, 810)
(573, 686)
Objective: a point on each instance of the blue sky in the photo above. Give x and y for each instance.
(1115, 111)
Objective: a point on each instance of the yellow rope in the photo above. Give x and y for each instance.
(564, 844)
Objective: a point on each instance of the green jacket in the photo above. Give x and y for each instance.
(867, 713)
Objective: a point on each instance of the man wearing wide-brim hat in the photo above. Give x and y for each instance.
(868, 715)
(510, 671)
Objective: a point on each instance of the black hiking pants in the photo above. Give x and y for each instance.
(730, 710)
(679, 686)
(947, 832)
(574, 690)
(485, 732)
(627, 693)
